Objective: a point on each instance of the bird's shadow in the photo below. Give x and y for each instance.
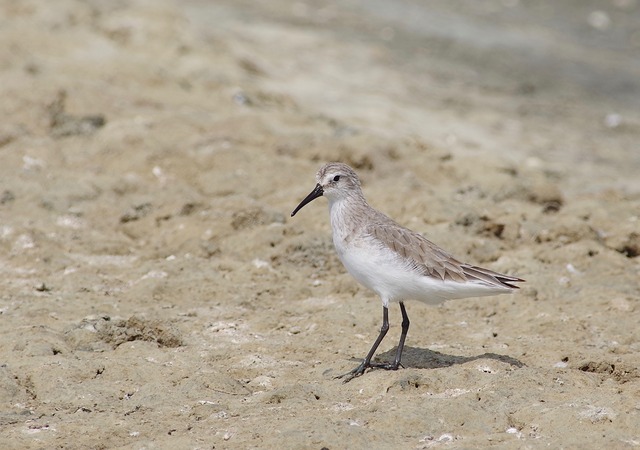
(423, 358)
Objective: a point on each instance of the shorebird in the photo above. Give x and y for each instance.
(396, 263)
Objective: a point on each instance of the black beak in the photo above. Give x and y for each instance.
(317, 192)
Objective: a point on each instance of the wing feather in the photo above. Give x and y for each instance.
(431, 260)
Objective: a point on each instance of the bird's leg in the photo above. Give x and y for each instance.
(403, 336)
(367, 360)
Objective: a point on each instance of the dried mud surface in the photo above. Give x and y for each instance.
(156, 294)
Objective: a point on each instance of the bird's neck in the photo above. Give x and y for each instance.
(347, 214)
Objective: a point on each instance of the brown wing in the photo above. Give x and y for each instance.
(430, 259)
(491, 277)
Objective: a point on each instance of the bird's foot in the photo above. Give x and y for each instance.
(346, 377)
(362, 368)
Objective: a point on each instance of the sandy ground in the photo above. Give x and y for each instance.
(156, 294)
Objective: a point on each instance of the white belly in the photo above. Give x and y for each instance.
(393, 279)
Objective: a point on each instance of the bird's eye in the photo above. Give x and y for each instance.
(336, 178)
